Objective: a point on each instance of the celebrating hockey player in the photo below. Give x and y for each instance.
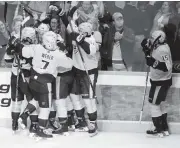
(160, 62)
(85, 73)
(46, 61)
(28, 37)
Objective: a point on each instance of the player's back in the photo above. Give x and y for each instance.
(45, 61)
(162, 54)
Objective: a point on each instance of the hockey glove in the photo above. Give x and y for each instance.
(9, 50)
(80, 38)
(13, 41)
(146, 47)
(150, 61)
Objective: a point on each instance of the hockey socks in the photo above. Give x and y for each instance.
(15, 117)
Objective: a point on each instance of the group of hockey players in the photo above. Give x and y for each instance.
(58, 79)
(58, 84)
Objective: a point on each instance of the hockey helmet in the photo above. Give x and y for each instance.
(28, 35)
(49, 40)
(158, 36)
(43, 28)
(85, 28)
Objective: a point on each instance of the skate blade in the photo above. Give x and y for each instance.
(32, 135)
(62, 134)
(166, 133)
(71, 128)
(93, 134)
(14, 132)
(85, 129)
(161, 135)
(37, 138)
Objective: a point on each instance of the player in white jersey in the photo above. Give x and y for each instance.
(160, 63)
(87, 46)
(46, 61)
(25, 65)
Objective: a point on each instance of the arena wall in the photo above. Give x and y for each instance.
(120, 96)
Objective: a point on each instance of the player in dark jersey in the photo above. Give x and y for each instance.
(160, 62)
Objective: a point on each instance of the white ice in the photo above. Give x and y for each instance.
(82, 140)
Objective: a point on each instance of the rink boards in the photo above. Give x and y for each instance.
(120, 97)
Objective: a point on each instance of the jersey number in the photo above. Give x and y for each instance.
(165, 58)
(45, 64)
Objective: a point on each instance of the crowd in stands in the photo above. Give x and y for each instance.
(119, 30)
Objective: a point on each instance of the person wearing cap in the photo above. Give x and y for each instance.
(111, 56)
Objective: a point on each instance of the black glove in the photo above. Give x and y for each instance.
(9, 50)
(80, 38)
(146, 47)
(150, 61)
(13, 41)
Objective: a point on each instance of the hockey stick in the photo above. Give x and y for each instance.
(147, 75)
(144, 94)
(84, 64)
(5, 14)
(18, 62)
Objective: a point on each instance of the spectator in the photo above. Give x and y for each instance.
(173, 31)
(86, 11)
(175, 52)
(162, 17)
(111, 57)
(57, 27)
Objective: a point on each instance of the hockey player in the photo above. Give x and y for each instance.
(160, 63)
(85, 42)
(41, 29)
(46, 61)
(25, 65)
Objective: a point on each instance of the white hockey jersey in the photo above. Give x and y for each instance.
(91, 61)
(45, 61)
(24, 63)
(162, 54)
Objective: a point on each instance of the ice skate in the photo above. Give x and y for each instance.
(14, 126)
(33, 130)
(63, 130)
(22, 123)
(92, 129)
(71, 123)
(155, 133)
(81, 126)
(53, 124)
(42, 134)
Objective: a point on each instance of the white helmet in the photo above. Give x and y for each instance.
(42, 28)
(28, 35)
(85, 28)
(51, 33)
(158, 36)
(49, 40)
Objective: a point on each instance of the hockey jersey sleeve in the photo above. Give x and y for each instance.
(166, 59)
(28, 51)
(64, 61)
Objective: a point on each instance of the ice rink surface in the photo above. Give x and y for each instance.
(82, 140)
